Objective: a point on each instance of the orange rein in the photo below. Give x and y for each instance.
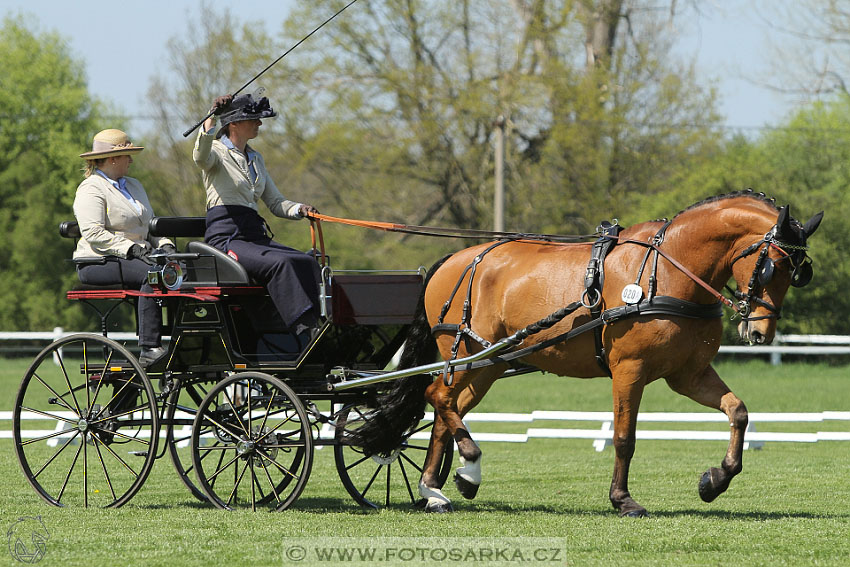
(316, 226)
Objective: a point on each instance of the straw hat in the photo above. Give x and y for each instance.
(111, 142)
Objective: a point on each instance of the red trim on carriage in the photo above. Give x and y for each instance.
(199, 293)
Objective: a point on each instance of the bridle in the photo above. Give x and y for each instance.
(801, 273)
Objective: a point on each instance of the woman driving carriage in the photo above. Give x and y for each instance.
(235, 179)
(113, 212)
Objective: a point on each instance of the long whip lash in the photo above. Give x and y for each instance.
(257, 76)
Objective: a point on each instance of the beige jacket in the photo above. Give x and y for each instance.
(228, 182)
(109, 223)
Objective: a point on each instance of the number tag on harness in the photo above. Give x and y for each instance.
(632, 294)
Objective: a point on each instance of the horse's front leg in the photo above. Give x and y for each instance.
(709, 390)
(627, 392)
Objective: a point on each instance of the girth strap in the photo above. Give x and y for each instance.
(594, 280)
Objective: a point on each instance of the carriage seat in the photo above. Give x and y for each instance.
(213, 268)
(70, 229)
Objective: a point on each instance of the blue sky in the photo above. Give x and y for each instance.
(122, 44)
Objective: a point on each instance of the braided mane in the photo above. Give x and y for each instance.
(746, 193)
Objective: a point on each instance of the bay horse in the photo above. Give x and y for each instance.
(657, 320)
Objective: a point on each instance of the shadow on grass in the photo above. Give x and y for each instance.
(321, 505)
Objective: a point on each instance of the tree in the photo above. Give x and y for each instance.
(48, 119)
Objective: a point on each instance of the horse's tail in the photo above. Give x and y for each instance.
(403, 406)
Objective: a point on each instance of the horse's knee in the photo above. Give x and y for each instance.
(624, 445)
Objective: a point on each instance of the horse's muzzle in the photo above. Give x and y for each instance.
(751, 333)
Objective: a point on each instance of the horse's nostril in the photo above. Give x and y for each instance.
(757, 337)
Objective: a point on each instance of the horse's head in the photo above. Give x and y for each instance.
(764, 271)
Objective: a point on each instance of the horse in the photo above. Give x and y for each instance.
(650, 322)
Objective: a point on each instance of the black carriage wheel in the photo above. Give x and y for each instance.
(383, 481)
(102, 410)
(181, 409)
(252, 444)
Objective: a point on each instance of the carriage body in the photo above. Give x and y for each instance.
(235, 390)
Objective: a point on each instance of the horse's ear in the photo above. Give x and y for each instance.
(812, 224)
(783, 223)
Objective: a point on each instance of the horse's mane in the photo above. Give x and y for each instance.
(749, 193)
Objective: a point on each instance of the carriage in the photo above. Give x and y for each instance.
(238, 403)
(241, 404)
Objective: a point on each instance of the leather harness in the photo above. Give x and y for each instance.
(591, 299)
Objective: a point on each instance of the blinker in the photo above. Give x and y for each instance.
(802, 274)
(766, 272)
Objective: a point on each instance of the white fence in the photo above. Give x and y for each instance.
(601, 435)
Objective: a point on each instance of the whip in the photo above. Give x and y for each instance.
(272, 64)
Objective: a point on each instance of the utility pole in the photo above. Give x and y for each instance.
(499, 196)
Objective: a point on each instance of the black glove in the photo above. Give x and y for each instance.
(221, 103)
(168, 249)
(307, 210)
(142, 254)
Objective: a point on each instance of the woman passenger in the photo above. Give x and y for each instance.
(113, 212)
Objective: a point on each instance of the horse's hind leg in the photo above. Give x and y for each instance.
(709, 390)
(450, 403)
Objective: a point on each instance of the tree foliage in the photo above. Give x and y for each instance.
(49, 118)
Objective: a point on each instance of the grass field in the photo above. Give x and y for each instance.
(788, 507)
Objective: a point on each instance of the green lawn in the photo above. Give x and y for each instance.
(788, 507)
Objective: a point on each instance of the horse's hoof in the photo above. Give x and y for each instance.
(713, 483)
(439, 508)
(467, 489)
(640, 513)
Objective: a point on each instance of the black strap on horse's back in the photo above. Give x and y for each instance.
(594, 280)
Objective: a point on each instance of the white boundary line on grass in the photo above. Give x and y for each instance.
(601, 436)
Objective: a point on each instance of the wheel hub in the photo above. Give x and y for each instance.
(244, 447)
(83, 425)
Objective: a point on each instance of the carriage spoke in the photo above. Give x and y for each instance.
(222, 426)
(253, 486)
(70, 470)
(116, 455)
(236, 413)
(48, 436)
(122, 414)
(114, 397)
(50, 415)
(85, 446)
(283, 469)
(68, 383)
(60, 399)
(105, 472)
(271, 484)
(371, 480)
(56, 454)
(218, 466)
(389, 476)
(354, 464)
(406, 458)
(221, 469)
(100, 381)
(406, 481)
(237, 482)
(128, 437)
